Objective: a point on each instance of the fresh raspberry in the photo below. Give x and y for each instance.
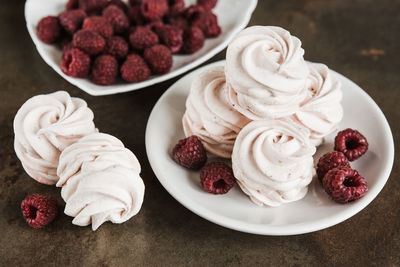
(120, 4)
(155, 25)
(351, 143)
(89, 42)
(207, 4)
(171, 36)
(159, 58)
(117, 47)
(39, 210)
(141, 38)
(330, 161)
(75, 63)
(193, 40)
(190, 153)
(135, 16)
(71, 20)
(117, 18)
(193, 11)
(176, 7)
(93, 5)
(98, 24)
(72, 4)
(178, 21)
(344, 184)
(154, 9)
(217, 178)
(135, 69)
(105, 70)
(48, 29)
(208, 23)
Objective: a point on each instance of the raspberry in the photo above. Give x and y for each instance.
(171, 36)
(48, 29)
(135, 15)
(176, 7)
(155, 25)
(351, 143)
(330, 161)
(105, 70)
(75, 63)
(72, 4)
(193, 11)
(141, 38)
(344, 184)
(120, 4)
(154, 9)
(93, 5)
(98, 24)
(179, 22)
(159, 58)
(89, 42)
(39, 210)
(117, 47)
(208, 23)
(71, 20)
(207, 4)
(193, 40)
(135, 2)
(217, 178)
(117, 18)
(190, 153)
(135, 69)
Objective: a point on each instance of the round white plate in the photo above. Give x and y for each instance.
(231, 23)
(235, 210)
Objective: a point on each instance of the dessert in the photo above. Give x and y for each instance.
(39, 210)
(217, 178)
(190, 153)
(351, 143)
(44, 126)
(272, 161)
(100, 181)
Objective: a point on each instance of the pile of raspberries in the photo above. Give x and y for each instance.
(103, 39)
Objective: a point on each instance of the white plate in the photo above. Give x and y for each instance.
(235, 210)
(231, 23)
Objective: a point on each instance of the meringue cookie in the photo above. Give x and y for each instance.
(266, 72)
(209, 115)
(322, 111)
(272, 161)
(100, 181)
(44, 126)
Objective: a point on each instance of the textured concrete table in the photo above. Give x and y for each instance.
(359, 39)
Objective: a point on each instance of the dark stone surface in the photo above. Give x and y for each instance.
(359, 39)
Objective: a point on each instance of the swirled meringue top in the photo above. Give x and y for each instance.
(322, 111)
(44, 126)
(209, 115)
(100, 181)
(266, 70)
(272, 161)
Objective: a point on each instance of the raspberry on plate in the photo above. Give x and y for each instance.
(176, 7)
(89, 42)
(75, 63)
(159, 59)
(217, 178)
(171, 36)
(100, 25)
(117, 18)
(92, 5)
(190, 153)
(344, 184)
(351, 143)
(117, 47)
(105, 70)
(39, 210)
(72, 4)
(178, 21)
(154, 9)
(207, 4)
(48, 29)
(142, 37)
(193, 11)
(71, 20)
(208, 23)
(330, 161)
(193, 40)
(135, 69)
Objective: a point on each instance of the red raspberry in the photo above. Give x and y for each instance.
(89, 42)
(117, 47)
(141, 38)
(207, 4)
(193, 40)
(208, 23)
(71, 20)
(135, 15)
(330, 161)
(176, 7)
(75, 63)
(117, 18)
(100, 25)
(155, 25)
(351, 143)
(105, 70)
(154, 9)
(159, 58)
(344, 184)
(93, 5)
(135, 69)
(39, 210)
(179, 22)
(171, 36)
(217, 178)
(120, 4)
(48, 29)
(193, 11)
(72, 4)
(190, 153)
